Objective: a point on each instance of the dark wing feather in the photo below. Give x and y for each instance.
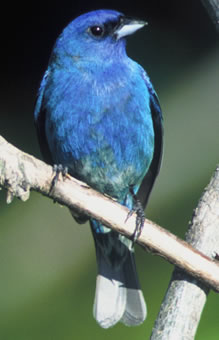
(149, 179)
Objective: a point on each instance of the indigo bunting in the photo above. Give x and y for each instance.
(97, 114)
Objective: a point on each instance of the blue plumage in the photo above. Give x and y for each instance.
(97, 113)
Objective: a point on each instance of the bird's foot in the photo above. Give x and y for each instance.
(140, 218)
(61, 172)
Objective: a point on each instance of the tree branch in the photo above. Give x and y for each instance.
(185, 298)
(212, 7)
(20, 173)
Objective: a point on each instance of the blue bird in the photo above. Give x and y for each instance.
(97, 113)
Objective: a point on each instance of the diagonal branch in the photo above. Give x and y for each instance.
(20, 173)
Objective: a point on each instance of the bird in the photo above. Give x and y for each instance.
(97, 114)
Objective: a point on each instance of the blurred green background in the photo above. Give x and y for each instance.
(47, 261)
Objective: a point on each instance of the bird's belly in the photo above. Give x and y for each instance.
(105, 175)
(110, 165)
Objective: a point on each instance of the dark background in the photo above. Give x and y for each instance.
(47, 261)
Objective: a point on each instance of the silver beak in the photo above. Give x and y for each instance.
(128, 26)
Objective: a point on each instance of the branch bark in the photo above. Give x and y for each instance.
(185, 298)
(212, 7)
(20, 173)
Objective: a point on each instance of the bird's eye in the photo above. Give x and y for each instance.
(97, 31)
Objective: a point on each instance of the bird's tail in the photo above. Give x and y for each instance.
(118, 295)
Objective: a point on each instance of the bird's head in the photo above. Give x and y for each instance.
(97, 34)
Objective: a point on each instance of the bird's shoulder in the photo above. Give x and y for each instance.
(153, 98)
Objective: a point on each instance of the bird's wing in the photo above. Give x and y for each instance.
(39, 121)
(149, 179)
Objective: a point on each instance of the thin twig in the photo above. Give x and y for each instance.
(20, 173)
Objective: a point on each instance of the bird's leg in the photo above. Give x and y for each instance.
(138, 209)
(58, 169)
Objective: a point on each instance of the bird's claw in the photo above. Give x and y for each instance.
(59, 170)
(140, 218)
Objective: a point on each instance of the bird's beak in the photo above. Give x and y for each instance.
(128, 26)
